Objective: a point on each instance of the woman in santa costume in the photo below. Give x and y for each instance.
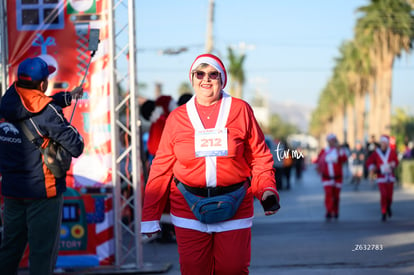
(329, 164)
(211, 147)
(383, 162)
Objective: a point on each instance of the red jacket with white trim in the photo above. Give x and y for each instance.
(248, 156)
(383, 164)
(329, 163)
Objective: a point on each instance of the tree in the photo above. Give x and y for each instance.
(281, 129)
(236, 73)
(356, 68)
(184, 88)
(402, 127)
(387, 29)
(321, 122)
(332, 105)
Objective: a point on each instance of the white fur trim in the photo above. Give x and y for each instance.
(150, 227)
(212, 62)
(211, 169)
(385, 180)
(328, 183)
(384, 139)
(210, 228)
(384, 157)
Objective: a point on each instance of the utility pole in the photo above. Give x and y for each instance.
(210, 20)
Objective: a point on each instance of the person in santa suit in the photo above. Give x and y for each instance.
(329, 164)
(383, 162)
(211, 147)
(156, 112)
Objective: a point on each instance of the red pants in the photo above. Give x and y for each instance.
(332, 199)
(386, 191)
(222, 253)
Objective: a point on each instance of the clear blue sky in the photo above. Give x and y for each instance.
(295, 44)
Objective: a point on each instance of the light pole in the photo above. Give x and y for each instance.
(210, 23)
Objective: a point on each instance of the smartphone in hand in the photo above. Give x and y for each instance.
(270, 204)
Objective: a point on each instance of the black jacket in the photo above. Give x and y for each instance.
(24, 173)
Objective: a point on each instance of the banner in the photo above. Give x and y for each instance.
(58, 31)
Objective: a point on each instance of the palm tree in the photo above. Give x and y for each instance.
(321, 118)
(326, 118)
(343, 70)
(387, 29)
(236, 73)
(339, 93)
(358, 71)
(367, 73)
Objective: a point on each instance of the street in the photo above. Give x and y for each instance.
(298, 240)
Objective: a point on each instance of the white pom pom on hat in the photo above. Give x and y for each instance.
(211, 60)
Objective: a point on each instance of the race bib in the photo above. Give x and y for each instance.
(211, 142)
(385, 169)
(331, 157)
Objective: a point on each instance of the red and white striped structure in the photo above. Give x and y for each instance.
(62, 40)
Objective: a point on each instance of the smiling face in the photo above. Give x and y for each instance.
(207, 90)
(332, 142)
(384, 145)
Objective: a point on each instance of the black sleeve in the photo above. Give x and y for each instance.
(55, 126)
(62, 99)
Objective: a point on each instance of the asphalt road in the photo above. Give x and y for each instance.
(298, 240)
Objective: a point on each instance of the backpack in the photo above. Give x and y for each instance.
(56, 158)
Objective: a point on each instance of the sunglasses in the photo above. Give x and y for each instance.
(212, 75)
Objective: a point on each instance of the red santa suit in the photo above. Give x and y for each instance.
(384, 164)
(163, 106)
(329, 162)
(157, 112)
(245, 155)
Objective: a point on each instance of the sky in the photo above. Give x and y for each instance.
(290, 46)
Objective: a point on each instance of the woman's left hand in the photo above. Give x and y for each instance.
(265, 195)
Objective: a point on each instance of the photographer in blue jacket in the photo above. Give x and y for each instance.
(33, 195)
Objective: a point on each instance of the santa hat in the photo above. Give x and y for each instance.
(167, 103)
(331, 137)
(211, 60)
(385, 138)
(152, 110)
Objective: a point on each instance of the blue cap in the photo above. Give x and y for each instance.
(33, 69)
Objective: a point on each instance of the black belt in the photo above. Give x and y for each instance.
(333, 178)
(211, 191)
